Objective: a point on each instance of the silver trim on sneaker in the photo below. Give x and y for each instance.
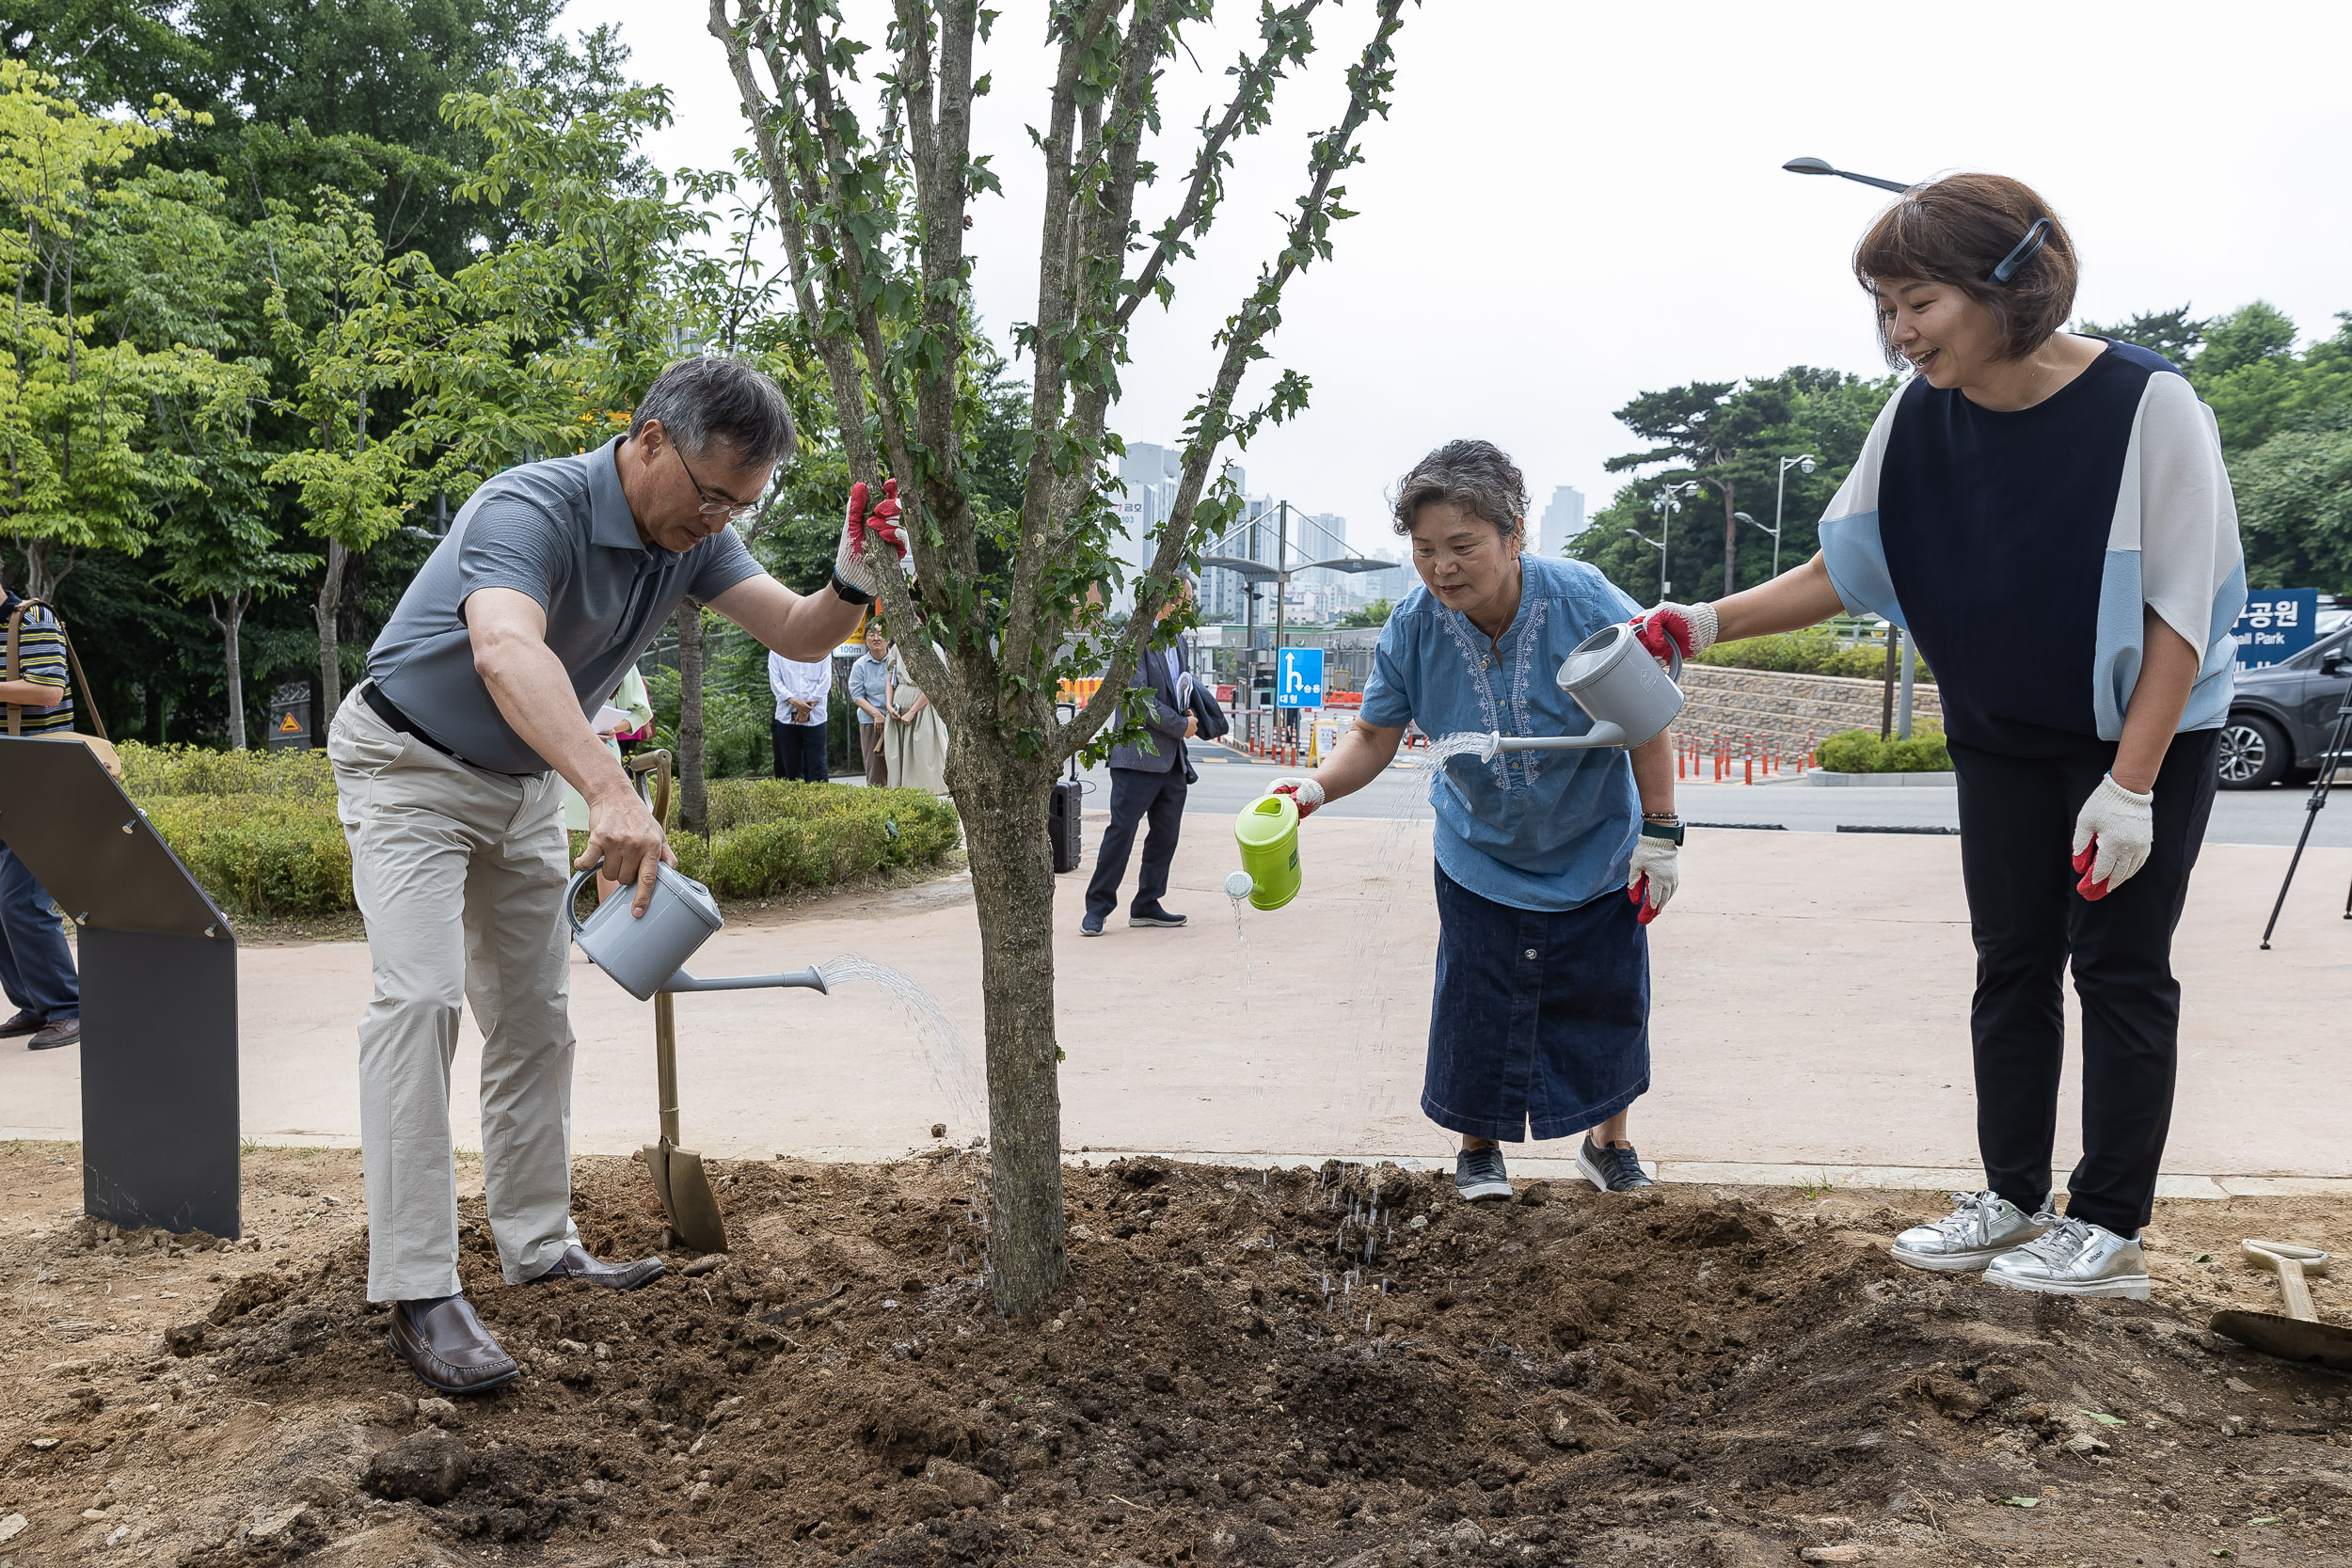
(1981, 1228)
(2075, 1257)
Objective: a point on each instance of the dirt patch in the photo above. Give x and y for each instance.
(1342, 1366)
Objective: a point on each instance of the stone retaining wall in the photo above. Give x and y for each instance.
(1781, 710)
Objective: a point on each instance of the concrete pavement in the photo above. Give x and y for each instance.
(1812, 995)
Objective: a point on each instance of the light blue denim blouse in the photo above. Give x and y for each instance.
(1531, 830)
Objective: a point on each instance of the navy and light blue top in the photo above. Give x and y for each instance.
(560, 532)
(1532, 829)
(2023, 549)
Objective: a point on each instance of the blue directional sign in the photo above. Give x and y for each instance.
(2275, 625)
(1299, 677)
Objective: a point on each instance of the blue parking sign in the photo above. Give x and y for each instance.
(2275, 625)
(1299, 677)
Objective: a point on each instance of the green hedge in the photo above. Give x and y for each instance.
(1862, 752)
(1809, 653)
(259, 830)
(770, 836)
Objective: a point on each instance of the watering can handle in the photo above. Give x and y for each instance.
(571, 893)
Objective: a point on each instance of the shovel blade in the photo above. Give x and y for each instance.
(2289, 1338)
(687, 1201)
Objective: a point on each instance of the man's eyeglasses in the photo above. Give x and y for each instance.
(714, 504)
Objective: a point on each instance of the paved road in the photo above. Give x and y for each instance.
(2268, 817)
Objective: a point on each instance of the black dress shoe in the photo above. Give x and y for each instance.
(23, 1023)
(577, 1264)
(449, 1346)
(66, 1031)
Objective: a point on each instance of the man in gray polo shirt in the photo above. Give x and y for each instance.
(450, 762)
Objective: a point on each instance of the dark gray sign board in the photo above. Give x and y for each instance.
(159, 993)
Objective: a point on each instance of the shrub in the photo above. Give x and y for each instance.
(1849, 751)
(149, 771)
(259, 854)
(769, 835)
(1807, 652)
(1862, 752)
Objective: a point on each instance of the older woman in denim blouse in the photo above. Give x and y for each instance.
(1550, 864)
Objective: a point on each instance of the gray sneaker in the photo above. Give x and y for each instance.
(1983, 1226)
(1611, 1169)
(1478, 1174)
(2075, 1257)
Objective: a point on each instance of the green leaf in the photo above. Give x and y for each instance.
(2021, 1502)
(2105, 1420)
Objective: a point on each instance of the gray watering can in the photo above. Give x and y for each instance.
(1618, 684)
(646, 955)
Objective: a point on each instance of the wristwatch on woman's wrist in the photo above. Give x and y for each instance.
(1668, 827)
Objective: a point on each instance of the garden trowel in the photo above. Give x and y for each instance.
(2297, 1335)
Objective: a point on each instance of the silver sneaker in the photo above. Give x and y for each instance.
(1982, 1227)
(2075, 1257)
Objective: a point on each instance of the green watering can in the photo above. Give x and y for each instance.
(1267, 832)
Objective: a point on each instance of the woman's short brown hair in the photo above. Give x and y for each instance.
(1956, 231)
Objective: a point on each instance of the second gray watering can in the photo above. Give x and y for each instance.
(1620, 686)
(648, 954)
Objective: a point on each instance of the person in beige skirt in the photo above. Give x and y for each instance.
(914, 743)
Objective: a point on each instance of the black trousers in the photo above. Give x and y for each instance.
(800, 751)
(1137, 797)
(2016, 826)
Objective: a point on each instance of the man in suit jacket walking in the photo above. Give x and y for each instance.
(1147, 786)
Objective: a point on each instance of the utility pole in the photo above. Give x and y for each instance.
(1281, 581)
(1249, 636)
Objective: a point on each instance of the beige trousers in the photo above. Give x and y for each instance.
(459, 874)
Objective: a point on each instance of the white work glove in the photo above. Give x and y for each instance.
(850, 561)
(2112, 836)
(1689, 626)
(1305, 794)
(1657, 872)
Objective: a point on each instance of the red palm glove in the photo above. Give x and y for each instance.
(849, 561)
(1305, 794)
(1689, 628)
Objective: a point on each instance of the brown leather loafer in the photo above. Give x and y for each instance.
(449, 1348)
(23, 1023)
(66, 1031)
(577, 1264)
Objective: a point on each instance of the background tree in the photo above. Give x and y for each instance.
(1739, 432)
(873, 222)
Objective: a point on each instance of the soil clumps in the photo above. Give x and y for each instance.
(1346, 1365)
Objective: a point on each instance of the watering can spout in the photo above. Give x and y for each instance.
(806, 979)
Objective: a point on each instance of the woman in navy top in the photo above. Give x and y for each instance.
(2048, 515)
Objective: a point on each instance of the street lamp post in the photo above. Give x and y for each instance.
(1819, 165)
(1666, 503)
(1803, 464)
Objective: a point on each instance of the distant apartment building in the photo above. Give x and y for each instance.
(1562, 520)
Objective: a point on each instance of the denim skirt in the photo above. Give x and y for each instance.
(1540, 1027)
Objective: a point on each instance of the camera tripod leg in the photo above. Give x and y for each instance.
(2312, 808)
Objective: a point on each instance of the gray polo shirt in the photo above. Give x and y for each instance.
(562, 532)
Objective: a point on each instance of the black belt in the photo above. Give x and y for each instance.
(386, 711)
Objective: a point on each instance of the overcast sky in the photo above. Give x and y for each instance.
(1573, 203)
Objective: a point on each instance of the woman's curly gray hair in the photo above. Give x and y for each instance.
(1477, 476)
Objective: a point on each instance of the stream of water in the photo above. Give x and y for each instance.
(954, 1071)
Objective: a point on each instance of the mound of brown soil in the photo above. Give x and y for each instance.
(1346, 1365)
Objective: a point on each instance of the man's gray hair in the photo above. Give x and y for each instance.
(711, 399)
(1477, 476)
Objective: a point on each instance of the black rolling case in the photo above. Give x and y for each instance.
(1062, 820)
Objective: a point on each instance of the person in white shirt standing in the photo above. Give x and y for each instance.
(799, 726)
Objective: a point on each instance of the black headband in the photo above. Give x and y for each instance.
(2024, 251)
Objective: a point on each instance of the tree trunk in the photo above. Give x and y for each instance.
(1731, 542)
(328, 614)
(232, 661)
(1002, 801)
(693, 798)
(40, 581)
